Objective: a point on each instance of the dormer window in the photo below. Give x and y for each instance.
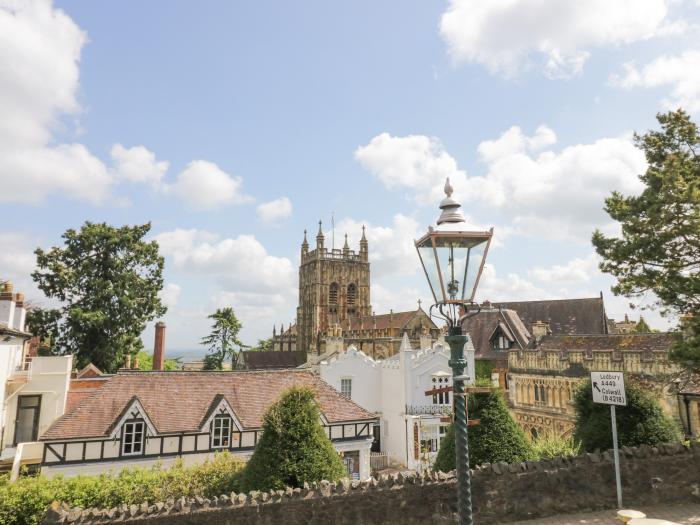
(221, 431)
(499, 341)
(133, 434)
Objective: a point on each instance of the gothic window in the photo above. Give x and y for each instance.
(333, 297)
(533, 433)
(133, 433)
(543, 397)
(442, 398)
(352, 294)
(221, 431)
(537, 393)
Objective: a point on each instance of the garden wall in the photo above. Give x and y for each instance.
(666, 474)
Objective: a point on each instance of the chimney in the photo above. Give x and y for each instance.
(20, 312)
(539, 330)
(7, 305)
(159, 346)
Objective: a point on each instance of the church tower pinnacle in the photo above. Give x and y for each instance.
(364, 246)
(319, 238)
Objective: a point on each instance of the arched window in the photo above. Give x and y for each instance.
(537, 393)
(333, 294)
(352, 294)
(543, 397)
(533, 433)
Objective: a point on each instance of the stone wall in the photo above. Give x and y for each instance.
(666, 474)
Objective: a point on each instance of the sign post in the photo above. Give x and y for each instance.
(609, 389)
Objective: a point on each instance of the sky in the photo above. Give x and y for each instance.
(234, 126)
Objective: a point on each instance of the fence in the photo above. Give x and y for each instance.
(378, 460)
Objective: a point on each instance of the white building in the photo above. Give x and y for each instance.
(33, 389)
(410, 393)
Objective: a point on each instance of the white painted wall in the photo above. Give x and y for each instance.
(362, 370)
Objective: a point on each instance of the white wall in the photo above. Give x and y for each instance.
(364, 372)
(10, 360)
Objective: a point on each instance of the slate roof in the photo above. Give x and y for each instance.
(384, 321)
(481, 328)
(653, 342)
(273, 360)
(177, 401)
(565, 316)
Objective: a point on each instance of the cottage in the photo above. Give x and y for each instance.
(140, 418)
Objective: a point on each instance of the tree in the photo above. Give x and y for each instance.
(659, 249)
(642, 421)
(44, 324)
(496, 438)
(263, 345)
(145, 361)
(107, 279)
(222, 341)
(293, 448)
(642, 327)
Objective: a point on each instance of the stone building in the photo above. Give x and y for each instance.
(543, 377)
(335, 310)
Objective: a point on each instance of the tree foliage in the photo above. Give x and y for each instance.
(642, 421)
(222, 341)
(44, 324)
(659, 250)
(496, 438)
(107, 279)
(293, 448)
(145, 362)
(263, 345)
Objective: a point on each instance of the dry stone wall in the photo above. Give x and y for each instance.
(667, 474)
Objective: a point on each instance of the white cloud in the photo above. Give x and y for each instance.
(512, 287)
(137, 164)
(403, 299)
(681, 73)
(578, 270)
(556, 195)
(504, 35)
(39, 54)
(170, 294)
(203, 185)
(240, 263)
(275, 211)
(391, 248)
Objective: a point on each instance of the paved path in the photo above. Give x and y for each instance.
(685, 514)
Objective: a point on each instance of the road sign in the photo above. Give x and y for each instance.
(608, 388)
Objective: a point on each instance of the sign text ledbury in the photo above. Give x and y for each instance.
(608, 388)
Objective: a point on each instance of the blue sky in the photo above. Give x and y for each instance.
(234, 126)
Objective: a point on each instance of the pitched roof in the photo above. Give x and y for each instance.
(565, 316)
(384, 321)
(177, 401)
(653, 342)
(273, 360)
(481, 328)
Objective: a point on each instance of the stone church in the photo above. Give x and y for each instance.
(335, 309)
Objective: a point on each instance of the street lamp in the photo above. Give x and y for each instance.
(452, 256)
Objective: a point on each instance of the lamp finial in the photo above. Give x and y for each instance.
(448, 188)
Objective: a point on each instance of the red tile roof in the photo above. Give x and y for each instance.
(178, 401)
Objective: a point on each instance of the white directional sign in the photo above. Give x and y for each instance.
(608, 388)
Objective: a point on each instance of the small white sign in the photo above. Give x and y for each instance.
(608, 388)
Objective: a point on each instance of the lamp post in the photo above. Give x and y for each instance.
(453, 256)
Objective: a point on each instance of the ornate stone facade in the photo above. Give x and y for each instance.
(543, 379)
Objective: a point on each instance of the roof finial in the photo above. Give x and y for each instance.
(363, 233)
(448, 188)
(450, 207)
(320, 230)
(346, 247)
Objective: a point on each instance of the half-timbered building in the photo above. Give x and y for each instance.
(139, 418)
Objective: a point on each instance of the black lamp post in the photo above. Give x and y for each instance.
(453, 256)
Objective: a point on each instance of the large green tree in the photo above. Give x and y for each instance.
(107, 280)
(659, 249)
(293, 448)
(222, 341)
(642, 421)
(496, 438)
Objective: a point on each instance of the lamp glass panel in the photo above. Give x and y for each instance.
(460, 261)
(476, 255)
(427, 256)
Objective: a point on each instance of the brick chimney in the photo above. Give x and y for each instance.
(159, 347)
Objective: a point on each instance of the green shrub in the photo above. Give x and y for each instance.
(642, 421)
(496, 438)
(293, 447)
(24, 502)
(549, 446)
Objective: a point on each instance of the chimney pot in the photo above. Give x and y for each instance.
(159, 347)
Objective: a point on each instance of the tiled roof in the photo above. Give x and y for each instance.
(482, 326)
(565, 316)
(656, 342)
(384, 321)
(177, 401)
(277, 359)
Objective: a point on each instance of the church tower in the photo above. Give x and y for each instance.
(333, 286)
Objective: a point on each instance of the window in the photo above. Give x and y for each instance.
(27, 421)
(346, 388)
(543, 397)
(537, 393)
(500, 342)
(333, 294)
(132, 437)
(440, 398)
(352, 294)
(221, 432)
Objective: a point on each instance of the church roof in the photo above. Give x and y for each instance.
(565, 316)
(272, 360)
(384, 321)
(652, 342)
(177, 401)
